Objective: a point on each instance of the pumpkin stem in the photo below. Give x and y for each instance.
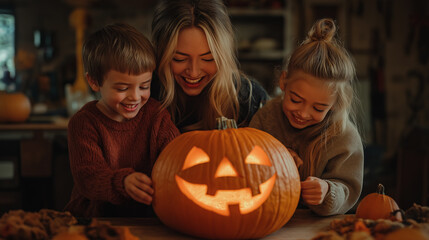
(224, 123)
(380, 189)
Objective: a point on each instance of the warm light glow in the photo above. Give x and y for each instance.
(195, 156)
(225, 169)
(223, 198)
(258, 156)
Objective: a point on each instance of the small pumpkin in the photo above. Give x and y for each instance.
(376, 205)
(14, 107)
(225, 184)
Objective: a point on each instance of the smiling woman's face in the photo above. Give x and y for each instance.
(193, 65)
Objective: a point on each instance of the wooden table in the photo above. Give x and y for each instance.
(303, 225)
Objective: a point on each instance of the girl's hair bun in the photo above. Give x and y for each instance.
(323, 30)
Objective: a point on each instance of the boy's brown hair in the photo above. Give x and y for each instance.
(118, 47)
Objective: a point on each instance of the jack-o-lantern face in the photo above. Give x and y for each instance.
(223, 198)
(232, 183)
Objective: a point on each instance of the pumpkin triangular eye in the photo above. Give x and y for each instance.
(195, 156)
(226, 169)
(258, 156)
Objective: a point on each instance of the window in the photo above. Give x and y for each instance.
(7, 48)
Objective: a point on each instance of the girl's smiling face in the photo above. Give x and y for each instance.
(307, 99)
(193, 65)
(122, 95)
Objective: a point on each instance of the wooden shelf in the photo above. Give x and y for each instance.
(267, 55)
(263, 40)
(233, 12)
(37, 123)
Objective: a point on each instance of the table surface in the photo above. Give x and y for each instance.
(36, 123)
(303, 225)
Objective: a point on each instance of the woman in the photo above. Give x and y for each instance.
(197, 66)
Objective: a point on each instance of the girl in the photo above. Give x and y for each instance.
(197, 65)
(314, 119)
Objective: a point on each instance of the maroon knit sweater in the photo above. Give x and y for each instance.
(103, 152)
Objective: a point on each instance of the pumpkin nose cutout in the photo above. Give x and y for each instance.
(226, 169)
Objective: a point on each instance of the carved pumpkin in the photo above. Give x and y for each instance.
(376, 205)
(225, 184)
(14, 107)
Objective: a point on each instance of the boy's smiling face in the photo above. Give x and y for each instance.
(122, 95)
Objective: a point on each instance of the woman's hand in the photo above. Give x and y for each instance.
(296, 158)
(139, 187)
(313, 190)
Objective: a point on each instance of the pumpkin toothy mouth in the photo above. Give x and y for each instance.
(221, 201)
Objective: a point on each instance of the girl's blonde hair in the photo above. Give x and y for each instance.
(322, 55)
(211, 16)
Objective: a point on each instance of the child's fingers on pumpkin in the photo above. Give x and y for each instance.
(308, 202)
(312, 179)
(145, 188)
(308, 185)
(312, 199)
(143, 178)
(311, 189)
(313, 183)
(141, 196)
(313, 202)
(140, 186)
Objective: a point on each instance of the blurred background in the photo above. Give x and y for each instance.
(40, 44)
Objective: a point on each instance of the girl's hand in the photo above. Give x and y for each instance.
(296, 158)
(139, 187)
(313, 190)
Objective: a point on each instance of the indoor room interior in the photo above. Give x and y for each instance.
(389, 41)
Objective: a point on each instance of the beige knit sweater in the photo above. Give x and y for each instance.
(341, 165)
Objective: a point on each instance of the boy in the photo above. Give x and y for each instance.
(114, 142)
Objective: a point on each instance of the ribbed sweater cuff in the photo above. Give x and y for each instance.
(118, 182)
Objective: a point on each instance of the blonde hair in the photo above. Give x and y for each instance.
(118, 47)
(211, 16)
(322, 55)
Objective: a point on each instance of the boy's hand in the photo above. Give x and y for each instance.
(313, 190)
(296, 158)
(139, 187)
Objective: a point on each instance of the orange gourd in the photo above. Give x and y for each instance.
(376, 205)
(225, 184)
(14, 107)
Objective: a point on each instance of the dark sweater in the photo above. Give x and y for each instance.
(103, 152)
(248, 106)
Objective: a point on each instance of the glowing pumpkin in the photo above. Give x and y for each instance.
(14, 107)
(377, 206)
(225, 184)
